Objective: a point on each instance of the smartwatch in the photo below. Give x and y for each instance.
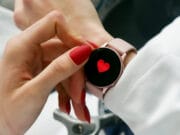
(105, 66)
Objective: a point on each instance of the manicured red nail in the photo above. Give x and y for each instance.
(68, 108)
(93, 44)
(87, 114)
(80, 54)
(83, 96)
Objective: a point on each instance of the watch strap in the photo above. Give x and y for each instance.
(120, 46)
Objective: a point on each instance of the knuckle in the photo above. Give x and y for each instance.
(11, 46)
(11, 42)
(19, 19)
(56, 15)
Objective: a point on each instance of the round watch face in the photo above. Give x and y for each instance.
(103, 67)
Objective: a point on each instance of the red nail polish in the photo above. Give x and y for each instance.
(80, 54)
(68, 108)
(83, 96)
(93, 45)
(87, 114)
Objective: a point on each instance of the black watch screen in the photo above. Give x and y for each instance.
(103, 67)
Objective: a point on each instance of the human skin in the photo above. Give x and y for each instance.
(82, 17)
(25, 81)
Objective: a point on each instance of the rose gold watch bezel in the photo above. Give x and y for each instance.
(100, 91)
(121, 48)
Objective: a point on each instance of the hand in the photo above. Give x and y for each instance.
(80, 14)
(81, 17)
(25, 82)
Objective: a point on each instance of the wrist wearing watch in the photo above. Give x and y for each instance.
(105, 66)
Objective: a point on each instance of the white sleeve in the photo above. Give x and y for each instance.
(147, 96)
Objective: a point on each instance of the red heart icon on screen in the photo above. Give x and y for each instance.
(102, 66)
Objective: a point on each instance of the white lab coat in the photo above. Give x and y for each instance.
(147, 96)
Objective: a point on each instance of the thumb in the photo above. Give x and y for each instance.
(60, 69)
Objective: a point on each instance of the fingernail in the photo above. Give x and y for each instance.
(83, 96)
(87, 114)
(84, 110)
(80, 54)
(93, 44)
(68, 108)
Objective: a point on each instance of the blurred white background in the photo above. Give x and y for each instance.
(7, 3)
